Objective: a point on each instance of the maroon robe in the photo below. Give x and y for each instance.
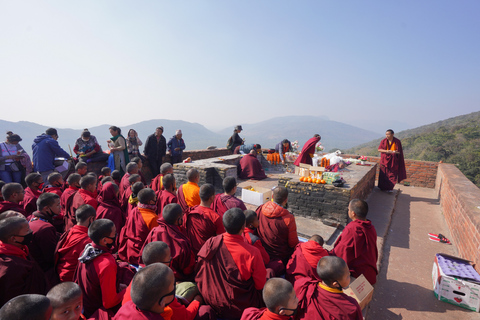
(57, 190)
(307, 150)
(251, 168)
(220, 283)
(124, 184)
(124, 205)
(201, 224)
(164, 197)
(132, 237)
(44, 242)
(79, 199)
(183, 258)
(8, 205)
(66, 201)
(357, 245)
(181, 199)
(29, 202)
(392, 166)
(69, 248)
(157, 184)
(129, 311)
(19, 273)
(262, 314)
(109, 206)
(223, 202)
(316, 303)
(299, 267)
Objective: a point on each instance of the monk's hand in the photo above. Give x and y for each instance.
(123, 286)
(199, 299)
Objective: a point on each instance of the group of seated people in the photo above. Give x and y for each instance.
(112, 247)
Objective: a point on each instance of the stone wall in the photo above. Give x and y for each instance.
(460, 201)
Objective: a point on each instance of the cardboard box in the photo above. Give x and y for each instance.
(361, 290)
(461, 292)
(257, 197)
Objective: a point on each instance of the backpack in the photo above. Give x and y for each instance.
(230, 143)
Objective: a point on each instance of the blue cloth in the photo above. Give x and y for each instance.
(175, 143)
(111, 162)
(45, 149)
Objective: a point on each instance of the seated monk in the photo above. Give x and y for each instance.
(277, 227)
(132, 168)
(66, 199)
(153, 289)
(96, 272)
(325, 299)
(116, 176)
(139, 163)
(19, 273)
(230, 272)
(227, 200)
(280, 299)
(170, 231)
(188, 193)
(125, 196)
(109, 206)
(250, 167)
(13, 196)
(304, 260)
(27, 306)
(157, 182)
(81, 168)
(308, 151)
(201, 222)
(251, 236)
(357, 244)
(34, 188)
(168, 194)
(73, 242)
(139, 223)
(133, 192)
(67, 301)
(55, 183)
(86, 195)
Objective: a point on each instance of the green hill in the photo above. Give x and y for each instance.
(455, 140)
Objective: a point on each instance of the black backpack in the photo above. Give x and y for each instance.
(230, 143)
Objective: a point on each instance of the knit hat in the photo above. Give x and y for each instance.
(178, 132)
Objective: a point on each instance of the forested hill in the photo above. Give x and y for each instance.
(455, 140)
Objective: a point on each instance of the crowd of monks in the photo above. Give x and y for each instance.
(112, 247)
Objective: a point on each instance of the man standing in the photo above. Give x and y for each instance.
(392, 163)
(308, 151)
(45, 148)
(176, 145)
(155, 149)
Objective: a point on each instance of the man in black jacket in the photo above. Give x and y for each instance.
(155, 150)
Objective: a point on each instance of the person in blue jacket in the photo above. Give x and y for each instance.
(176, 145)
(45, 148)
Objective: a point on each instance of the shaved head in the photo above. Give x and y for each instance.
(316, 238)
(276, 293)
(156, 251)
(63, 293)
(27, 307)
(171, 213)
(150, 284)
(331, 269)
(11, 226)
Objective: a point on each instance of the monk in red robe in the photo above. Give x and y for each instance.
(27, 306)
(357, 244)
(170, 231)
(55, 183)
(227, 200)
(13, 194)
(86, 195)
(139, 163)
(109, 206)
(97, 269)
(201, 222)
(157, 182)
(326, 300)
(127, 202)
(250, 167)
(230, 272)
(66, 200)
(304, 260)
(132, 168)
(34, 188)
(73, 242)
(168, 194)
(280, 299)
(277, 227)
(308, 151)
(392, 163)
(19, 273)
(189, 193)
(251, 235)
(67, 301)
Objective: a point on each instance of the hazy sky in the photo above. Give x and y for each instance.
(374, 64)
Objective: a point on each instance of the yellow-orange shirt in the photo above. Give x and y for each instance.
(191, 192)
(391, 146)
(150, 217)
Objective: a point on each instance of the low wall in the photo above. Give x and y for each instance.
(460, 201)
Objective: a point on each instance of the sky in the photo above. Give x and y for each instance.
(372, 64)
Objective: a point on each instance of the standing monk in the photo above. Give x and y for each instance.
(155, 150)
(308, 151)
(392, 164)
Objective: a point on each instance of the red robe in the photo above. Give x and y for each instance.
(183, 258)
(224, 202)
(307, 150)
(392, 166)
(262, 314)
(66, 201)
(29, 202)
(253, 239)
(201, 224)
(19, 273)
(69, 248)
(8, 205)
(80, 198)
(357, 245)
(304, 261)
(181, 199)
(44, 242)
(109, 206)
(164, 197)
(157, 183)
(129, 311)
(57, 190)
(124, 205)
(132, 237)
(251, 168)
(316, 303)
(124, 184)
(221, 282)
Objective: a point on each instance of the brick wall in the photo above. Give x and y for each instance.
(459, 200)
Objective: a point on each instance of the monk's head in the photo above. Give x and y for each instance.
(251, 219)
(389, 134)
(134, 178)
(116, 175)
(334, 272)
(73, 180)
(166, 168)
(138, 161)
(15, 231)
(234, 221)
(106, 171)
(173, 214)
(136, 188)
(316, 135)
(10, 213)
(66, 300)
(193, 175)
(280, 195)
(88, 183)
(81, 168)
(27, 307)
(207, 194)
(169, 182)
(85, 215)
(153, 288)
(318, 239)
(55, 179)
(49, 204)
(156, 252)
(357, 209)
(34, 181)
(107, 179)
(147, 196)
(279, 297)
(103, 232)
(13, 192)
(230, 185)
(132, 168)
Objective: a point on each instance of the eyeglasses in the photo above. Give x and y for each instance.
(167, 262)
(168, 294)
